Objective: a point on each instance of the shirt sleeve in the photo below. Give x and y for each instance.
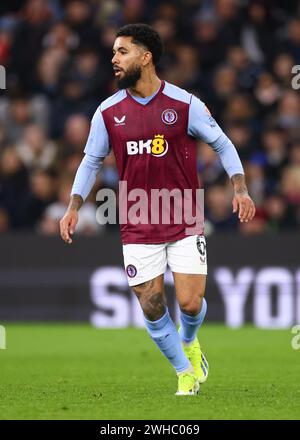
(86, 176)
(203, 126)
(97, 144)
(228, 155)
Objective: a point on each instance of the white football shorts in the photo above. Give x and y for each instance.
(143, 262)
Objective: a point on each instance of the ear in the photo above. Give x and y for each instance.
(147, 58)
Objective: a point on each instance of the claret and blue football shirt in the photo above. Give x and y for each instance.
(154, 142)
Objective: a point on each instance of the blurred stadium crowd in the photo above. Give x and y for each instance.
(237, 56)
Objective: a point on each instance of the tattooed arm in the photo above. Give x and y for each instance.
(202, 126)
(76, 202)
(242, 202)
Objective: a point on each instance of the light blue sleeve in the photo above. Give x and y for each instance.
(96, 149)
(228, 155)
(97, 144)
(86, 175)
(203, 126)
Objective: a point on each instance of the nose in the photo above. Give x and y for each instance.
(114, 59)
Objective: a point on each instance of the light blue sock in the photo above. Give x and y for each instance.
(190, 324)
(166, 337)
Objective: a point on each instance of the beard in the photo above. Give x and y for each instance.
(130, 77)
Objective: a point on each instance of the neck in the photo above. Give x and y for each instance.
(146, 86)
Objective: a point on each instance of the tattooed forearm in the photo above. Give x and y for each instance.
(76, 202)
(239, 184)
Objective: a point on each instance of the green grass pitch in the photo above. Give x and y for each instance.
(57, 371)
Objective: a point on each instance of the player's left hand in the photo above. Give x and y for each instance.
(243, 204)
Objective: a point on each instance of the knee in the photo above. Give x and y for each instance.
(192, 307)
(151, 301)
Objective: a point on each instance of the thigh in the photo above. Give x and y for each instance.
(190, 289)
(144, 262)
(187, 260)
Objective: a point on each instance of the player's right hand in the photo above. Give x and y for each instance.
(67, 225)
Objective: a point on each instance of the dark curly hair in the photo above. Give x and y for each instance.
(144, 35)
